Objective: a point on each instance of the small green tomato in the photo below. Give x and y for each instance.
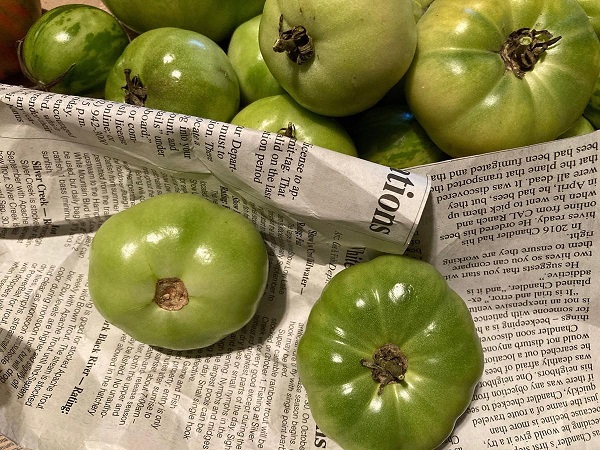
(177, 271)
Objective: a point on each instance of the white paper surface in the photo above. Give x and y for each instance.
(513, 232)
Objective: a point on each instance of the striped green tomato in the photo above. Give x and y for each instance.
(390, 135)
(71, 49)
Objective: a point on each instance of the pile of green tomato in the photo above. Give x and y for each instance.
(405, 83)
(390, 356)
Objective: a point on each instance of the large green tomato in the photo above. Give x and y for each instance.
(176, 70)
(496, 75)
(390, 356)
(281, 114)
(215, 19)
(71, 49)
(390, 135)
(177, 271)
(253, 74)
(337, 57)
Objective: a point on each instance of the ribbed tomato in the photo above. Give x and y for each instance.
(489, 76)
(16, 16)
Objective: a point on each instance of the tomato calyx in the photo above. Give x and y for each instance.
(388, 366)
(524, 47)
(135, 91)
(171, 294)
(296, 43)
(289, 131)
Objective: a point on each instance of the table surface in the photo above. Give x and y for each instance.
(49, 4)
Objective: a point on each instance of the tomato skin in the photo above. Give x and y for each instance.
(215, 19)
(278, 111)
(390, 135)
(592, 110)
(580, 127)
(16, 16)
(389, 300)
(84, 36)
(183, 71)
(253, 74)
(461, 92)
(360, 52)
(419, 8)
(218, 255)
(592, 9)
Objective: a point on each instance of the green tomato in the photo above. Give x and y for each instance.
(176, 70)
(419, 8)
(340, 57)
(489, 76)
(580, 127)
(215, 19)
(390, 135)
(71, 49)
(592, 110)
(390, 356)
(253, 74)
(281, 114)
(592, 9)
(177, 271)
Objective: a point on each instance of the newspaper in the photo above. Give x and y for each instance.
(512, 232)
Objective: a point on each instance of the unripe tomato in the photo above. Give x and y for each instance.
(490, 76)
(337, 58)
(281, 114)
(176, 70)
(253, 74)
(71, 49)
(16, 16)
(580, 127)
(177, 271)
(390, 135)
(215, 19)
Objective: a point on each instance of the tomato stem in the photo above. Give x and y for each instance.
(296, 43)
(289, 131)
(524, 47)
(135, 91)
(171, 294)
(388, 366)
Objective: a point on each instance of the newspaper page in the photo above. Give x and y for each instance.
(69, 379)
(512, 232)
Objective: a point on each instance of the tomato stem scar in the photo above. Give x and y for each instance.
(171, 294)
(388, 366)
